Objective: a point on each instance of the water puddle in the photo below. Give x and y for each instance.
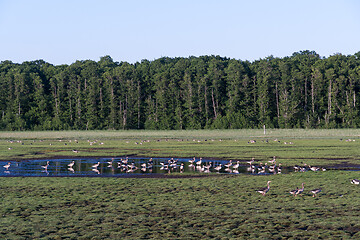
(117, 167)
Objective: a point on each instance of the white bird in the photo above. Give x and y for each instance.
(228, 164)
(70, 165)
(45, 166)
(181, 167)
(191, 161)
(236, 166)
(96, 165)
(265, 190)
(218, 168)
(7, 166)
(314, 169)
(273, 160)
(251, 161)
(355, 181)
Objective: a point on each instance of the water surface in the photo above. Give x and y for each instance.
(118, 167)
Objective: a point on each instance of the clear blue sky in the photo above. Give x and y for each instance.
(63, 31)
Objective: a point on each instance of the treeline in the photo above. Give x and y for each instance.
(207, 92)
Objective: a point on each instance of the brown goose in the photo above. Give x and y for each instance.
(315, 191)
(300, 191)
(293, 192)
(265, 190)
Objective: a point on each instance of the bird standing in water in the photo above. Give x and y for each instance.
(7, 166)
(45, 166)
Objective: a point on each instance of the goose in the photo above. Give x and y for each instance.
(315, 191)
(293, 192)
(251, 161)
(218, 168)
(45, 166)
(314, 169)
(70, 165)
(7, 166)
(265, 190)
(355, 181)
(207, 167)
(273, 160)
(236, 166)
(191, 161)
(182, 167)
(299, 191)
(279, 169)
(228, 164)
(96, 165)
(71, 169)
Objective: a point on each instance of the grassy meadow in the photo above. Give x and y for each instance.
(315, 147)
(213, 207)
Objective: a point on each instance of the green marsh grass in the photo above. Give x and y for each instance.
(220, 207)
(315, 147)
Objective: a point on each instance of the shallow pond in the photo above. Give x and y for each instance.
(118, 167)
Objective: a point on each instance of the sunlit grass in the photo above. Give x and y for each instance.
(184, 134)
(218, 206)
(213, 207)
(325, 149)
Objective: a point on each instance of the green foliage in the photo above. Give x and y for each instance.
(207, 92)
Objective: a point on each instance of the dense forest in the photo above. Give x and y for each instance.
(207, 92)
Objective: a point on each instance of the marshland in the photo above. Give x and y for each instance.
(183, 205)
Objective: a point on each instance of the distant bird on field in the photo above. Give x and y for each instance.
(315, 191)
(355, 181)
(293, 192)
(265, 190)
(300, 191)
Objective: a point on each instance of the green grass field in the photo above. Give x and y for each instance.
(315, 147)
(214, 207)
(219, 207)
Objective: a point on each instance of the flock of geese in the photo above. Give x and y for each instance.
(299, 191)
(295, 192)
